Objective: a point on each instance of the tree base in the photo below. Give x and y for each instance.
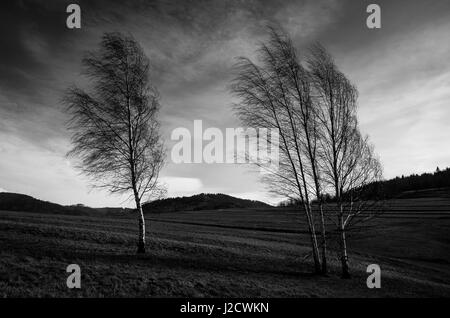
(141, 248)
(324, 269)
(346, 276)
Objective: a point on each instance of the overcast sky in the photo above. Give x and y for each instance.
(402, 72)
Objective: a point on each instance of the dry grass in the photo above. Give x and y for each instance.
(230, 253)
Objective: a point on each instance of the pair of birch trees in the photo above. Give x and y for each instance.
(313, 106)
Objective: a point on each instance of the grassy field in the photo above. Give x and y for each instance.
(222, 253)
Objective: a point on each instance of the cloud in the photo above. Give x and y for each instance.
(404, 97)
(402, 72)
(3, 190)
(179, 186)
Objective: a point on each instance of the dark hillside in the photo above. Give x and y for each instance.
(204, 201)
(435, 183)
(26, 203)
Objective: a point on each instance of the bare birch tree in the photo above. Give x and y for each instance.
(347, 160)
(115, 131)
(294, 82)
(266, 101)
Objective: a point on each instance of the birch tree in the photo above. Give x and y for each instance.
(266, 101)
(346, 158)
(294, 83)
(114, 126)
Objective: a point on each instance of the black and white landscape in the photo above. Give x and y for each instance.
(224, 149)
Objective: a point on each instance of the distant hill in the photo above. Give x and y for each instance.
(204, 201)
(26, 203)
(435, 184)
(21, 202)
(425, 185)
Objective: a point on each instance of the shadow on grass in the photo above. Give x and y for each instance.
(159, 258)
(238, 264)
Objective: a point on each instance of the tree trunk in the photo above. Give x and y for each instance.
(141, 238)
(324, 241)
(315, 248)
(344, 255)
(317, 268)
